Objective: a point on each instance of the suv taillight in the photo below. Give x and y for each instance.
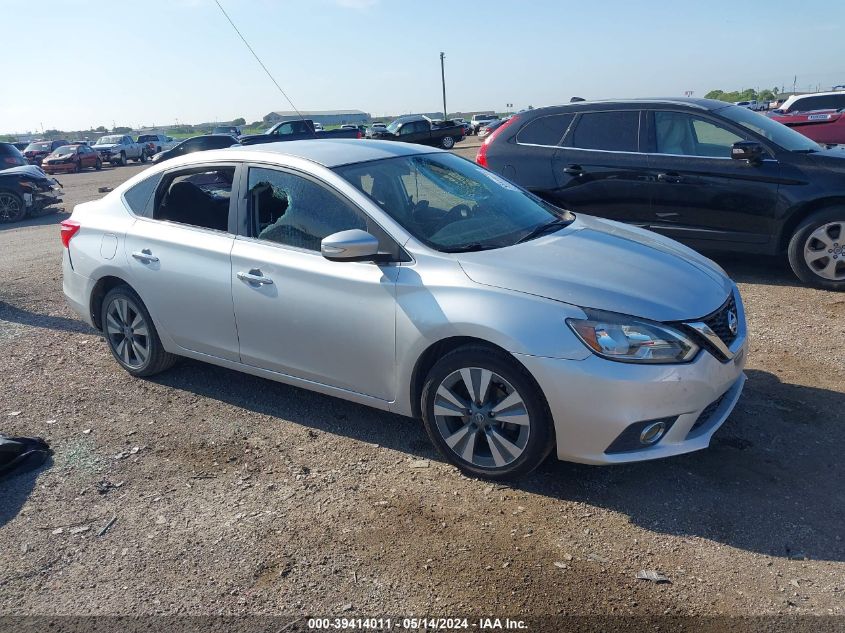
(481, 156)
(69, 229)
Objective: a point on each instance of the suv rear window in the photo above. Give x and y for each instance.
(545, 130)
(615, 131)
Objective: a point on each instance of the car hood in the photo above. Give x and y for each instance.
(832, 159)
(25, 170)
(608, 266)
(107, 146)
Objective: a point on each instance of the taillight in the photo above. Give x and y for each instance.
(359, 134)
(69, 229)
(481, 156)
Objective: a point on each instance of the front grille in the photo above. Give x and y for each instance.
(718, 321)
(705, 415)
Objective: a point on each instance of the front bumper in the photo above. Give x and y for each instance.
(51, 168)
(593, 401)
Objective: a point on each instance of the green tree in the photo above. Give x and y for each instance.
(101, 128)
(240, 121)
(122, 129)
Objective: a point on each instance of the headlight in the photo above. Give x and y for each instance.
(632, 340)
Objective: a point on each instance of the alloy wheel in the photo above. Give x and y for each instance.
(10, 207)
(127, 332)
(482, 417)
(824, 251)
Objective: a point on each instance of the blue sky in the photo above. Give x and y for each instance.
(70, 64)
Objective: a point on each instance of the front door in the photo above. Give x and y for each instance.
(698, 192)
(600, 170)
(180, 260)
(298, 313)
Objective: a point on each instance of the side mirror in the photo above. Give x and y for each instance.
(751, 151)
(353, 245)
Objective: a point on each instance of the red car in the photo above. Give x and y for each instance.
(823, 126)
(71, 158)
(37, 151)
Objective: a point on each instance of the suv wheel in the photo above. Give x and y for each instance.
(485, 414)
(447, 142)
(817, 249)
(12, 207)
(131, 335)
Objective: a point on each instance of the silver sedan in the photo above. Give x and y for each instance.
(417, 282)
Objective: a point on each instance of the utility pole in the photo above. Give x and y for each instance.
(443, 81)
(794, 82)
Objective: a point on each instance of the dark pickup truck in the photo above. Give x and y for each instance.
(422, 130)
(296, 130)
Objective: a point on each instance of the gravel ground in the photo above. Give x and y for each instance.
(236, 495)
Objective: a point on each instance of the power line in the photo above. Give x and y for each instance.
(258, 59)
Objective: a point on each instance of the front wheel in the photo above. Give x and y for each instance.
(817, 249)
(77, 167)
(12, 207)
(122, 161)
(485, 414)
(447, 142)
(99, 165)
(131, 335)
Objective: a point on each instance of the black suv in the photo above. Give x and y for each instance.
(712, 175)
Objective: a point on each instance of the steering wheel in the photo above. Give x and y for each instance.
(458, 212)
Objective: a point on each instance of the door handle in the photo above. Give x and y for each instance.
(669, 177)
(254, 277)
(573, 170)
(146, 256)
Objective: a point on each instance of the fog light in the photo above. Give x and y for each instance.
(653, 432)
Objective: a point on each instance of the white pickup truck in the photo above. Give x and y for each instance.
(116, 149)
(156, 143)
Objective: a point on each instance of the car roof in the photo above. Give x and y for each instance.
(701, 104)
(334, 152)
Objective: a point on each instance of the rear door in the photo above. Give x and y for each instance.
(600, 169)
(698, 192)
(178, 252)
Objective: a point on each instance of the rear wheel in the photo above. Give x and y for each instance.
(486, 414)
(447, 142)
(143, 158)
(817, 249)
(12, 207)
(131, 335)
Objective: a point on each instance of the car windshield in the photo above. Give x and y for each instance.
(452, 204)
(778, 133)
(109, 140)
(65, 150)
(394, 126)
(147, 137)
(37, 147)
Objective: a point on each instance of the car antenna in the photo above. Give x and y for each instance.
(258, 59)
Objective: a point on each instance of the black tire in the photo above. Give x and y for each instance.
(143, 158)
(122, 161)
(447, 142)
(12, 207)
(540, 440)
(813, 275)
(99, 165)
(77, 167)
(157, 359)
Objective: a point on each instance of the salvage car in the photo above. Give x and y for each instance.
(26, 190)
(196, 144)
(72, 158)
(414, 281)
(823, 126)
(713, 175)
(117, 149)
(423, 131)
(156, 143)
(37, 151)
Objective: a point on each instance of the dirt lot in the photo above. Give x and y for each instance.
(234, 495)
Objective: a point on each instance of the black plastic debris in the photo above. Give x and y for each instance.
(19, 454)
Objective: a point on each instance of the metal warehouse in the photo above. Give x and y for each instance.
(326, 117)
